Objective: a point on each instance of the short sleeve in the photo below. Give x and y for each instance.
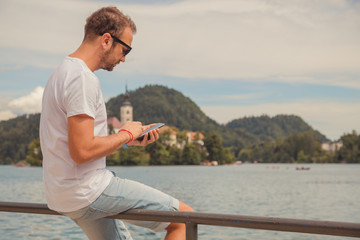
(81, 95)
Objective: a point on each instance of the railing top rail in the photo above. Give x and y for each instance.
(225, 220)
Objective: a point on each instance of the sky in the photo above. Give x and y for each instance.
(233, 58)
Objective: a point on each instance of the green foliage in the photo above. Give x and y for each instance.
(129, 157)
(299, 147)
(161, 104)
(350, 151)
(154, 103)
(264, 128)
(214, 146)
(217, 152)
(191, 154)
(15, 136)
(34, 155)
(283, 138)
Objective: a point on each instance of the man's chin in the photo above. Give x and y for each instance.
(109, 68)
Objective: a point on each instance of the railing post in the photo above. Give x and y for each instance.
(191, 231)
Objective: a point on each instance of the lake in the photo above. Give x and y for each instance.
(325, 192)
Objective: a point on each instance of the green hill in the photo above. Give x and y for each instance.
(162, 104)
(265, 128)
(154, 103)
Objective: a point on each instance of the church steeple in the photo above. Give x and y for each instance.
(126, 110)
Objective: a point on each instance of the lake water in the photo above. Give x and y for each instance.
(325, 192)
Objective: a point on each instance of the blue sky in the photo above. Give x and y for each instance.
(233, 58)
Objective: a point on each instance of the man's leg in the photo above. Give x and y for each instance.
(96, 227)
(177, 231)
(122, 195)
(104, 229)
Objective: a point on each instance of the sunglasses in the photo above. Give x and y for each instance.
(128, 48)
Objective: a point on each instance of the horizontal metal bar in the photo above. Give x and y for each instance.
(225, 220)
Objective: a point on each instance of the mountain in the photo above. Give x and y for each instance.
(265, 128)
(161, 104)
(154, 103)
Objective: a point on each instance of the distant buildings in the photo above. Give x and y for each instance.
(331, 146)
(195, 137)
(115, 123)
(191, 137)
(126, 110)
(172, 140)
(126, 114)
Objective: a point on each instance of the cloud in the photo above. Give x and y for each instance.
(331, 118)
(30, 103)
(7, 114)
(249, 39)
(290, 41)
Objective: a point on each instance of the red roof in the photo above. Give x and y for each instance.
(114, 122)
(192, 135)
(165, 128)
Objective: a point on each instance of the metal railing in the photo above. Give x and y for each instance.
(193, 219)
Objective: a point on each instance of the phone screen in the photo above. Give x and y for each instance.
(158, 125)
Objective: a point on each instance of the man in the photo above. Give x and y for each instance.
(74, 141)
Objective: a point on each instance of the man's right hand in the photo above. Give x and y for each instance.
(136, 128)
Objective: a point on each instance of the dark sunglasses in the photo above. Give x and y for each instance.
(128, 48)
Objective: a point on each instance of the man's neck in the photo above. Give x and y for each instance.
(89, 55)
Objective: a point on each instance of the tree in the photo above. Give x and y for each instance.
(213, 145)
(34, 155)
(217, 152)
(129, 157)
(191, 154)
(245, 155)
(159, 155)
(350, 151)
(175, 155)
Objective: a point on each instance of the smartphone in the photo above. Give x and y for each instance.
(158, 125)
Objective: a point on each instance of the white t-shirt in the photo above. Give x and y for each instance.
(71, 90)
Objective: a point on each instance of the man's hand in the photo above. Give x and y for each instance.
(85, 147)
(135, 129)
(149, 137)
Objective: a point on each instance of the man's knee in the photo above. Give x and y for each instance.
(184, 207)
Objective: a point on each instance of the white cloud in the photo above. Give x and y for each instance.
(331, 118)
(248, 39)
(286, 40)
(30, 103)
(7, 114)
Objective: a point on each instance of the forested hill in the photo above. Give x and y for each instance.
(265, 128)
(154, 103)
(161, 104)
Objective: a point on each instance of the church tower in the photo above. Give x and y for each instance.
(126, 110)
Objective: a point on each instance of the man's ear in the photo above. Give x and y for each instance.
(106, 41)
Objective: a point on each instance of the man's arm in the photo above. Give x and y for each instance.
(85, 147)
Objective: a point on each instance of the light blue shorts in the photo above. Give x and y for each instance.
(119, 196)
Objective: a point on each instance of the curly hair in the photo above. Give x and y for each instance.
(107, 20)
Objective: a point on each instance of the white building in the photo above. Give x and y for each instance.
(126, 110)
(126, 114)
(331, 146)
